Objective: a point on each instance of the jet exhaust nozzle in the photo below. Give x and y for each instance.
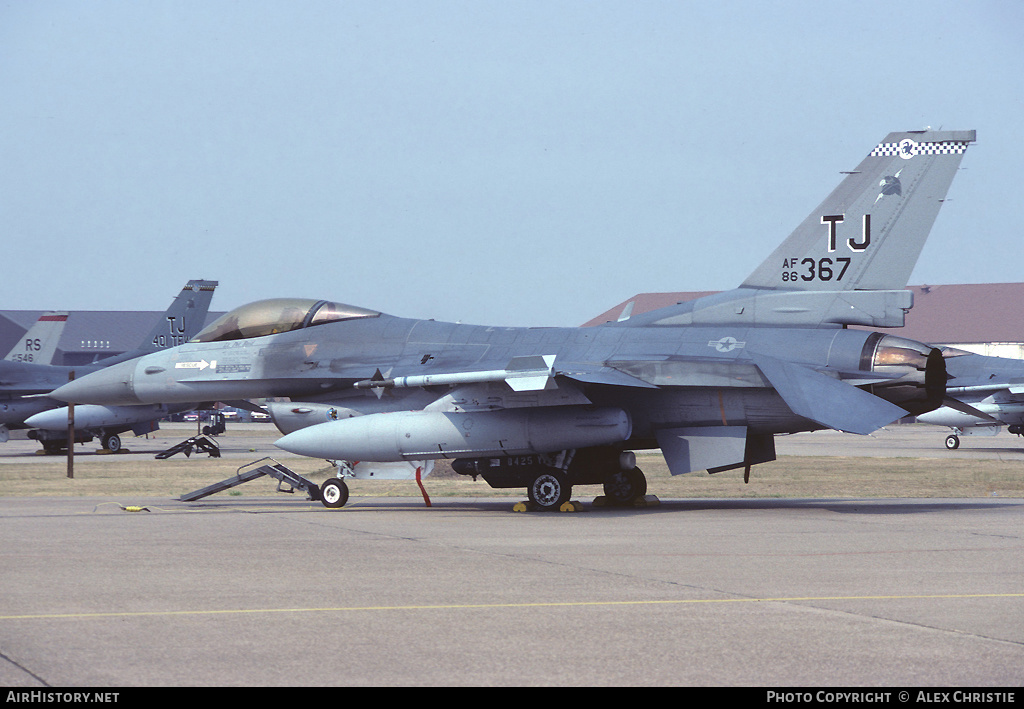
(922, 387)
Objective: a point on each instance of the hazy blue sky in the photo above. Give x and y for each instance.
(509, 163)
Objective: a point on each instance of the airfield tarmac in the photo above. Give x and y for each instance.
(279, 591)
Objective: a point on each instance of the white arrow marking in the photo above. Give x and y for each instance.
(200, 365)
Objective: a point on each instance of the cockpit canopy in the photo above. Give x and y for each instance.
(277, 315)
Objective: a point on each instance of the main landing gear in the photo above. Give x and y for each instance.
(111, 442)
(549, 491)
(626, 486)
(549, 478)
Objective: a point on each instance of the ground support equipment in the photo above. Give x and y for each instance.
(200, 443)
(287, 480)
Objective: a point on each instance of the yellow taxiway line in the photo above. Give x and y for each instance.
(494, 606)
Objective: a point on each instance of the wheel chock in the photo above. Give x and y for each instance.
(520, 507)
(571, 506)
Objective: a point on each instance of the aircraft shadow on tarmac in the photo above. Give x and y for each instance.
(861, 506)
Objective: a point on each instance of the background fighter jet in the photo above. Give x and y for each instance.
(709, 382)
(24, 386)
(993, 388)
(39, 343)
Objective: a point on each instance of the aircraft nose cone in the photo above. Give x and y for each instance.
(112, 385)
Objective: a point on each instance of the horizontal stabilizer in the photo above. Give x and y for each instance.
(826, 400)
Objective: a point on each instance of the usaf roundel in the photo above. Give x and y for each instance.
(727, 344)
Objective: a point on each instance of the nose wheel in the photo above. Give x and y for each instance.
(952, 442)
(334, 493)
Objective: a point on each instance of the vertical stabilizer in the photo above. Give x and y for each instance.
(868, 234)
(183, 319)
(39, 343)
(180, 322)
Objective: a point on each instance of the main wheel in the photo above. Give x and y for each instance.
(334, 493)
(112, 442)
(549, 491)
(952, 442)
(625, 486)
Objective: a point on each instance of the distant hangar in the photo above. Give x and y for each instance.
(985, 318)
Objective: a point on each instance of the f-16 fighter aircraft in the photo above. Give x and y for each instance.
(709, 382)
(993, 388)
(24, 386)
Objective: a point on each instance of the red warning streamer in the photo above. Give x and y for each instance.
(419, 482)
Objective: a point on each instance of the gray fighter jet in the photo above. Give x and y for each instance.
(709, 382)
(24, 386)
(993, 388)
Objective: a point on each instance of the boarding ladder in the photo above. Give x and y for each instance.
(201, 443)
(287, 480)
